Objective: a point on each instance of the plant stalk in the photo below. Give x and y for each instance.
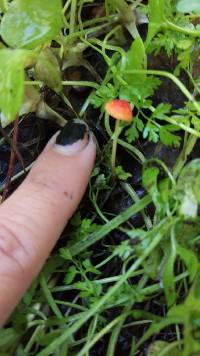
(114, 146)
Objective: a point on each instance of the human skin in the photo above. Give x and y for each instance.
(34, 216)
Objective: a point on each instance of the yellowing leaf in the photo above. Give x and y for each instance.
(48, 70)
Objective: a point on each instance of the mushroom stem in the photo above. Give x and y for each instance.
(116, 134)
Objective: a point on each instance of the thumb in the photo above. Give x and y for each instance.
(33, 217)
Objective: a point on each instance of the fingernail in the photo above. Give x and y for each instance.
(73, 137)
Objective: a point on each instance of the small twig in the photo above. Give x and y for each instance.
(12, 160)
(14, 148)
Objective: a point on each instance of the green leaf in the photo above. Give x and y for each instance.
(7, 337)
(11, 83)
(88, 288)
(188, 6)
(156, 327)
(190, 260)
(168, 138)
(151, 131)
(3, 5)
(89, 267)
(48, 70)
(65, 253)
(157, 190)
(70, 275)
(149, 179)
(156, 18)
(188, 189)
(152, 263)
(161, 110)
(132, 133)
(124, 250)
(140, 90)
(136, 59)
(31, 100)
(189, 312)
(103, 94)
(160, 346)
(168, 280)
(30, 23)
(121, 174)
(44, 339)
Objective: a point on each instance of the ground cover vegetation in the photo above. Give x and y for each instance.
(124, 277)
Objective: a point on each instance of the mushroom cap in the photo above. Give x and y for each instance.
(119, 109)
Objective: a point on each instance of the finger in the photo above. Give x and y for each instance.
(34, 216)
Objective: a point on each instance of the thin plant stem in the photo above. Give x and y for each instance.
(138, 154)
(163, 228)
(80, 83)
(170, 347)
(33, 338)
(100, 334)
(67, 4)
(73, 16)
(67, 83)
(12, 160)
(128, 188)
(49, 297)
(18, 175)
(181, 160)
(114, 146)
(172, 26)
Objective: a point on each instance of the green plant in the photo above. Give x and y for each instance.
(128, 264)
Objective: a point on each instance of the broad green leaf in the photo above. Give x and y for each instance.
(3, 5)
(190, 260)
(48, 70)
(136, 59)
(11, 82)
(156, 18)
(30, 23)
(188, 6)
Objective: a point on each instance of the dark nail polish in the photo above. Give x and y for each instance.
(73, 131)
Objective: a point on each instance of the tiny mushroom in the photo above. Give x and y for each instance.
(119, 110)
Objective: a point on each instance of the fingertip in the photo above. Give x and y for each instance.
(73, 141)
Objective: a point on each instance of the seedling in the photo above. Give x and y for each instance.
(121, 266)
(121, 111)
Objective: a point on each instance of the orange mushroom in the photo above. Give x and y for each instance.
(119, 109)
